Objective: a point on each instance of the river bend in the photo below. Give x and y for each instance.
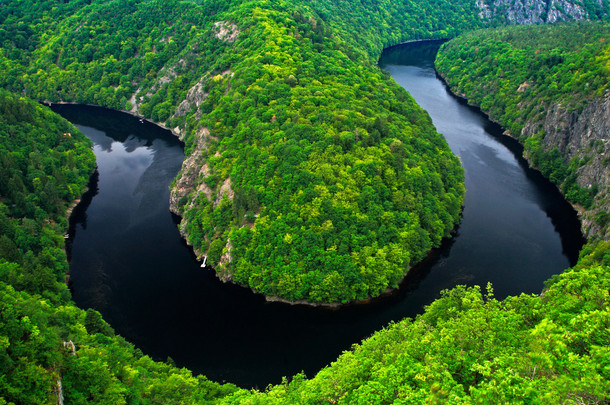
(129, 262)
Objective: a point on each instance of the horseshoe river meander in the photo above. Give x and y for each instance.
(129, 262)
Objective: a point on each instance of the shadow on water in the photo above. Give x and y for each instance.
(562, 215)
(121, 129)
(79, 213)
(420, 53)
(129, 262)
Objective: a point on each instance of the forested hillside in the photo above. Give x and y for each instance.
(45, 164)
(300, 152)
(310, 175)
(47, 345)
(553, 95)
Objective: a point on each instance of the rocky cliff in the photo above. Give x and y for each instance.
(548, 86)
(582, 137)
(534, 11)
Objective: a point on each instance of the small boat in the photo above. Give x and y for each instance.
(205, 258)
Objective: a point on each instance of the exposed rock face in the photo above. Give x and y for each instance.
(226, 31)
(190, 183)
(225, 190)
(224, 272)
(564, 11)
(195, 96)
(190, 178)
(585, 136)
(531, 11)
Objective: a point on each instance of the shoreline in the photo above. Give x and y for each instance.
(389, 292)
(226, 278)
(580, 211)
(71, 207)
(140, 117)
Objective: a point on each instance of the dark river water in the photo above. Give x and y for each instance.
(129, 262)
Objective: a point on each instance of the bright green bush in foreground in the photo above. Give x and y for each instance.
(470, 348)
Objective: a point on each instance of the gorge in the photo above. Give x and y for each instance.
(129, 263)
(271, 96)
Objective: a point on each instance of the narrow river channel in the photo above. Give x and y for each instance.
(129, 262)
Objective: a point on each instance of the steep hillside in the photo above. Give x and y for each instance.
(45, 164)
(49, 348)
(310, 175)
(553, 95)
(271, 98)
(541, 11)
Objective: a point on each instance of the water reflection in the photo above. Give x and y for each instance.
(129, 262)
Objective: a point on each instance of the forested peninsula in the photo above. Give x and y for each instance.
(270, 98)
(309, 175)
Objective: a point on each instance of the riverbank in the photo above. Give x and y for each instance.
(560, 117)
(578, 208)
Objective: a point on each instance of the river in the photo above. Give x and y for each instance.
(129, 262)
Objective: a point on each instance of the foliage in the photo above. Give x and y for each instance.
(45, 164)
(36, 353)
(515, 80)
(469, 347)
(336, 181)
(333, 167)
(346, 180)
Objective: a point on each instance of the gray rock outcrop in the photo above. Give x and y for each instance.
(584, 136)
(531, 11)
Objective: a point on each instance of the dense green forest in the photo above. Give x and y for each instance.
(45, 341)
(537, 88)
(305, 153)
(466, 348)
(45, 164)
(316, 177)
(470, 348)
